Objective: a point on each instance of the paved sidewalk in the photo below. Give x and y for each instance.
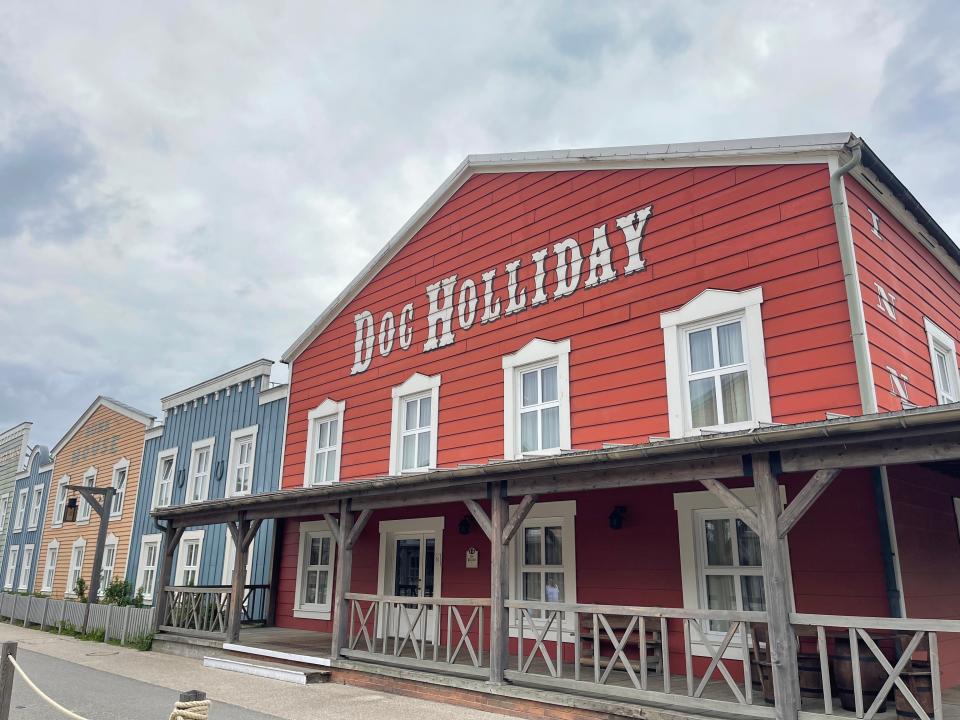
(270, 697)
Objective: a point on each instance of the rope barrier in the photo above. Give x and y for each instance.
(190, 710)
(46, 698)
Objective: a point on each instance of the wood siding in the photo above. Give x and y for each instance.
(13, 444)
(105, 438)
(28, 536)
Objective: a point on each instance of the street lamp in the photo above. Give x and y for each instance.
(102, 508)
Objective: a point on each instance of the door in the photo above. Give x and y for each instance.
(412, 569)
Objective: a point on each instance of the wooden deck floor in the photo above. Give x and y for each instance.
(307, 644)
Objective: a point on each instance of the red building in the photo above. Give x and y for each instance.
(691, 391)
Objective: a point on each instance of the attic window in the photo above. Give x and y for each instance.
(875, 221)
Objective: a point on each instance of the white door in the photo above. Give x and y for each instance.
(412, 569)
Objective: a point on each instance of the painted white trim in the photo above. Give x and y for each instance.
(329, 408)
(322, 611)
(10, 574)
(24, 579)
(238, 376)
(277, 654)
(57, 519)
(36, 506)
(189, 536)
(71, 568)
(235, 436)
(273, 394)
(154, 432)
(416, 384)
(121, 464)
(536, 352)
(391, 528)
(84, 510)
(114, 542)
(101, 401)
(161, 456)
(153, 538)
(711, 306)
(282, 674)
(55, 546)
(20, 509)
(5, 511)
(204, 444)
(938, 339)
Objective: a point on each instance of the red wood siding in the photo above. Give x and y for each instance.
(903, 266)
(727, 228)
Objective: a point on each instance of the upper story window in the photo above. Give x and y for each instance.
(83, 508)
(324, 440)
(201, 459)
(243, 447)
(163, 483)
(36, 506)
(60, 504)
(119, 484)
(943, 356)
(21, 510)
(413, 441)
(715, 363)
(536, 399)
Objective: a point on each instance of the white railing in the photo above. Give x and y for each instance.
(868, 658)
(447, 633)
(117, 623)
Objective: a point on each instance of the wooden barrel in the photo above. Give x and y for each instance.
(811, 679)
(872, 675)
(919, 682)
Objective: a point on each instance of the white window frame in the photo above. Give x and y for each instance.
(142, 567)
(196, 448)
(562, 513)
(50, 566)
(60, 501)
(13, 555)
(690, 507)
(229, 557)
(534, 354)
(26, 560)
(714, 307)
(112, 543)
(161, 456)
(4, 509)
(75, 569)
(939, 341)
(325, 411)
(190, 536)
(116, 507)
(83, 508)
(20, 511)
(417, 385)
(316, 611)
(36, 507)
(233, 460)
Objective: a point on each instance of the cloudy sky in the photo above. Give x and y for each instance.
(184, 186)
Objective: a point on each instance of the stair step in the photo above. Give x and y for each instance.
(284, 673)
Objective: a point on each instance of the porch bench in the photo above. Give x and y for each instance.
(619, 624)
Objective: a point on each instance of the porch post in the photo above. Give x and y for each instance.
(239, 531)
(499, 590)
(776, 586)
(171, 538)
(344, 568)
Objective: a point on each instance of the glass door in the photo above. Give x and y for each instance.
(411, 571)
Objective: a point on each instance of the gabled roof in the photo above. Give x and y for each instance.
(103, 401)
(749, 151)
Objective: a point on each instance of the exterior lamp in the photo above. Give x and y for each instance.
(70, 511)
(616, 517)
(464, 526)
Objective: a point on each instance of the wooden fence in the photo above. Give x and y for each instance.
(117, 623)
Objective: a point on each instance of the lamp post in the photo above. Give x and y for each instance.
(102, 508)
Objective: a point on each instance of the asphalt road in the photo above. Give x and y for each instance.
(99, 695)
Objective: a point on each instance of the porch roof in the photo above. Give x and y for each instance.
(919, 435)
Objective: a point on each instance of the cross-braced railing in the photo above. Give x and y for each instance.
(196, 610)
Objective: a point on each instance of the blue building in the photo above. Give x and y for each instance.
(221, 438)
(24, 536)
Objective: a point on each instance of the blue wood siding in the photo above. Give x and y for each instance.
(26, 536)
(217, 418)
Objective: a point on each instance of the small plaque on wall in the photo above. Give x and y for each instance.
(472, 558)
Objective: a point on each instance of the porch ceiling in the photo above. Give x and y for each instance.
(921, 435)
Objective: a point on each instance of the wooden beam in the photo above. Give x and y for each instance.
(334, 527)
(358, 527)
(853, 454)
(724, 495)
(483, 520)
(234, 531)
(171, 538)
(523, 509)
(240, 530)
(473, 491)
(499, 584)
(344, 569)
(805, 498)
(782, 640)
(251, 532)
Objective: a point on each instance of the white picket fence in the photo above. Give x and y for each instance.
(117, 623)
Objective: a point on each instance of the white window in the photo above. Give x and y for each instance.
(229, 559)
(943, 356)
(50, 567)
(83, 509)
(26, 564)
(36, 506)
(243, 448)
(61, 502)
(715, 363)
(12, 556)
(21, 510)
(119, 484)
(201, 459)
(536, 399)
(413, 439)
(76, 565)
(108, 562)
(324, 438)
(188, 558)
(147, 569)
(315, 574)
(544, 557)
(163, 482)
(4, 509)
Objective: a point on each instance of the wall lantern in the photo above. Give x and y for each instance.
(70, 511)
(616, 517)
(464, 526)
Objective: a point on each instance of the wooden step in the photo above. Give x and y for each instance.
(283, 673)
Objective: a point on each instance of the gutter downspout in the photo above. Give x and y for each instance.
(868, 391)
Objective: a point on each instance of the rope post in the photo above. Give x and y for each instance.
(7, 650)
(193, 705)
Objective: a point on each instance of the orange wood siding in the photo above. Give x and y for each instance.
(101, 442)
(729, 228)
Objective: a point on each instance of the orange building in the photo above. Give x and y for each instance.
(102, 448)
